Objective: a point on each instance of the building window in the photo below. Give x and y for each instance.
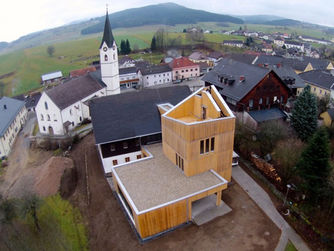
(113, 56)
(71, 112)
(314, 89)
(42, 117)
(251, 103)
(207, 142)
(267, 101)
(44, 128)
(139, 156)
(179, 162)
(203, 112)
(182, 70)
(260, 101)
(127, 159)
(125, 145)
(212, 144)
(112, 148)
(187, 70)
(202, 147)
(115, 162)
(48, 117)
(105, 57)
(46, 106)
(282, 99)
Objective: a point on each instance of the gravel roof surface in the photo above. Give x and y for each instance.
(157, 181)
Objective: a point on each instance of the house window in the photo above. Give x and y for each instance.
(202, 147)
(127, 159)
(46, 106)
(191, 69)
(207, 142)
(115, 162)
(125, 145)
(44, 128)
(203, 112)
(260, 101)
(182, 70)
(48, 117)
(251, 103)
(112, 148)
(187, 70)
(105, 57)
(212, 144)
(267, 101)
(42, 117)
(139, 156)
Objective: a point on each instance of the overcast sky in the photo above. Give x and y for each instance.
(21, 17)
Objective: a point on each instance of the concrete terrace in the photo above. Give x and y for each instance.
(157, 181)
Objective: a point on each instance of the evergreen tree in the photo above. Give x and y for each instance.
(314, 167)
(123, 47)
(304, 114)
(153, 44)
(127, 47)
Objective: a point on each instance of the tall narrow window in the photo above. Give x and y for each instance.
(212, 144)
(207, 141)
(42, 117)
(46, 106)
(203, 112)
(260, 101)
(176, 159)
(48, 117)
(267, 101)
(105, 57)
(202, 147)
(251, 103)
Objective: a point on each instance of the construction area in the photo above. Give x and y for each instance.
(246, 227)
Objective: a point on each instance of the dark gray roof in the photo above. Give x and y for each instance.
(108, 37)
(127, 70)
(13, 107)
(269, 60)
(294, 63)
(154, 69)
(318, 64)
(32, 100)
(287, 74)
(73, 90)
(243, 58)
(267, 114)
(232, 70)
(317, 77)
(132, 114)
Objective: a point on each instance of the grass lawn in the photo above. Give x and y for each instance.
(290, 247)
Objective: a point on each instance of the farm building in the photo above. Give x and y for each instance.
(161, 184)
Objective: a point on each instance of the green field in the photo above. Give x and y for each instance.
(29, 64)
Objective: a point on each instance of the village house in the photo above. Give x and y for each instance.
(215, 57)
(278, 41)
(233, 43)
(199, 57)
(294, 44)
(155, 75)
(183, 68)
(249, 88)
(159, 185)
(128, 77)
(319, 81)
(13, 114)
(51, 77)
(328, 117)
(63, 107)
(126, 62)
(314, 40)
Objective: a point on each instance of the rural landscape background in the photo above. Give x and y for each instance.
(23, 61)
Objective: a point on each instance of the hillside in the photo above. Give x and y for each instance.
(283, 22)
(167, 14)
(259, 19)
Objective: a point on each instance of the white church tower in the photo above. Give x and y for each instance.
(109, 60)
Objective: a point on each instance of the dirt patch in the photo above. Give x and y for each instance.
(48, 180)
(245, 228)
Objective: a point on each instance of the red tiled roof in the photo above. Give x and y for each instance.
(181, 62)
(82, 72)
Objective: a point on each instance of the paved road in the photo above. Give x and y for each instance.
(264, 202)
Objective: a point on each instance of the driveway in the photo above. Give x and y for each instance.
(264, 202)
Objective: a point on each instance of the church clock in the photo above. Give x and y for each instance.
(105, 48)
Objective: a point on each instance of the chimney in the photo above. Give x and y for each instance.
(5, 107)
(279, 65)
(242, 78)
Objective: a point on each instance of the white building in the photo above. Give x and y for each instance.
(294, 44)
(128, 77)
(65, 106)
(13, 114)
(155, 75)
(51, 77)
(279, 41)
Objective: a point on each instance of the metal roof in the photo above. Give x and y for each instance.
(9, 108)
(51, 75)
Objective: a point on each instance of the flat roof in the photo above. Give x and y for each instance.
(157, 181)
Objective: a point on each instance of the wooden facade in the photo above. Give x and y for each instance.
(184, 139)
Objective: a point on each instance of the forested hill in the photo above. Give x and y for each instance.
(167, 13)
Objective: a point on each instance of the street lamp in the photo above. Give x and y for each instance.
(286, 195)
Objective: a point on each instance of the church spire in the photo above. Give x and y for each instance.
(107, 33)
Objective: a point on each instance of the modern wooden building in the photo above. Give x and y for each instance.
(194, 161)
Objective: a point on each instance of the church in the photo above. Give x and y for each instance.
(63, 107)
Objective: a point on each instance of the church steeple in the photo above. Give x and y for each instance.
(107, 33)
